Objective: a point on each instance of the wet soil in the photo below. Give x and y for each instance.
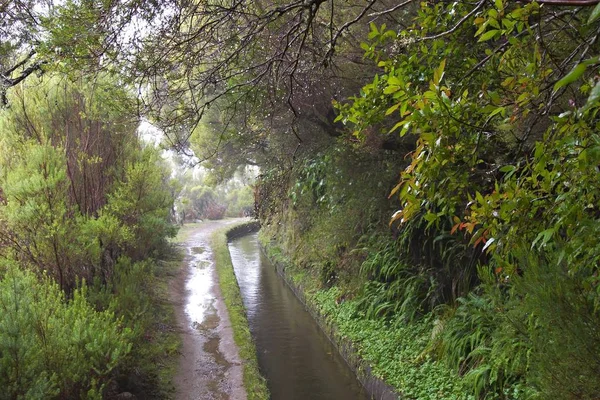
(210, 367)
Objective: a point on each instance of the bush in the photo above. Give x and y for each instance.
(533, 335)
(479, 339)
(562, 326)
(215, 211)
(53, 347)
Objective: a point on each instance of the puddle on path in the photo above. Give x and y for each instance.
(199, 286)
(197, 250)
(212, 346)
(209, 367)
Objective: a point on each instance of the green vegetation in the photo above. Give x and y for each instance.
(396, 350)
(254, 383)
(487, 271)
(84, 219)
(431, 167)
(53, 346)
(199, 200)
(141, 295)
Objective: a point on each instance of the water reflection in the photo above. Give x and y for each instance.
(297, 359)
(200, 298)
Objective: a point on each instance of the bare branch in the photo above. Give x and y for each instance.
(391, 10)
(20, 63)
(459, 23)
(344, 27)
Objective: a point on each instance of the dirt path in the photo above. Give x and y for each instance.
(209, 368)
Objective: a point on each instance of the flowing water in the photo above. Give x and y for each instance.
(294, 355)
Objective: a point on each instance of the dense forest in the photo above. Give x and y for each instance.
(430, 169)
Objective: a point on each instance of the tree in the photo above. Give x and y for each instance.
(242, 58)
(75, 35)
(78, 190)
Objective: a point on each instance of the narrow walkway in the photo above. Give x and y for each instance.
(210, 367)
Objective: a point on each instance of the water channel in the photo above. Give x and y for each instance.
(294, 355)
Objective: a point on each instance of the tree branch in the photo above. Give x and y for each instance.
(7, 82)
(459, 23)
(344, 27)
(391, 10)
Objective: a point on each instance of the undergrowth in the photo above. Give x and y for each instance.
(139, 293)
(431, 304)
(396, 351)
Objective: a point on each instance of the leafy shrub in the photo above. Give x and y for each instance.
(129, 293)
(423, 268)
(240, 202)
(391, 287)
(80, 201)
(142, 203)
(53, 347)
(477, 339)
(215, 211)
(527, 336)
(562, 328)
(40, 220)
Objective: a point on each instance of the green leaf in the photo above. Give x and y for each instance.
(488, 35)
(392, 108)
(374, 31)
(430, 217)
(438, 74)
(395, 81)
(544, 236)
(594, 96)
(595, 14)
(571, 76)
(479, 198)
(497, 111)
(430, 95)
(508, 24)
(428, 137)
(399, 124)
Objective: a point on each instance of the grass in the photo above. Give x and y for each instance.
(166, 346)
(158, 340)
(184, 232)
(255, 384)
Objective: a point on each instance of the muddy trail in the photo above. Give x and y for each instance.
(210, 367)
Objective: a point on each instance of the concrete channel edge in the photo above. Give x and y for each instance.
(375, 387)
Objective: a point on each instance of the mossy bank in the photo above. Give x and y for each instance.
(254, 383)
